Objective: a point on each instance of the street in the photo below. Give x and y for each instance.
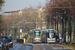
(48, 47)
(30, 46)
(17, 46)
(24, 22)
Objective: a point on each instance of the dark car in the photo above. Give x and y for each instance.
(4, 45)
(9, 39)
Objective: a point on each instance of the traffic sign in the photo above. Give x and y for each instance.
(56, 31)
(20, 30)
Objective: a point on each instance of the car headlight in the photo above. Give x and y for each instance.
(10, 42)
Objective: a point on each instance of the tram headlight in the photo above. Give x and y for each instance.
(34, 38)
(39, 39)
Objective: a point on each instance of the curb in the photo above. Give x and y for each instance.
(71, 48)
(27, 44)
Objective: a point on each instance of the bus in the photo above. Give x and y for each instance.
(36, 35)
(51, 36)
(43, 36)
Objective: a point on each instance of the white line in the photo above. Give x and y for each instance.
(42, 47)
(57, 47)
(15, 45)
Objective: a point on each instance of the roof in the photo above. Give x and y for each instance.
(12, 11)
(36, 30)
(50, 29)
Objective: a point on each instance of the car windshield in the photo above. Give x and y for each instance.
(52, 31)
(5, 37)
(51, 34)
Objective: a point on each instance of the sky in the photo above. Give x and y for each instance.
(11, 5)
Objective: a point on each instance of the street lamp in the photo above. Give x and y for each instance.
(18, 27)
(41, 18)
(57, 23)
(12, 25)
(7, 27)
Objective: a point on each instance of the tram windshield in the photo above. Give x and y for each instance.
(51, 34)
(37, 34)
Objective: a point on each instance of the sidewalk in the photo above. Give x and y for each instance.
(66, 46)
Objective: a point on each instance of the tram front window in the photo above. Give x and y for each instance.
(52, 34)
(37, 34)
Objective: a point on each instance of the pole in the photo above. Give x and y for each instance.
(52, 22)
(41, 20)
(55, 20)
(12, 25)
(36, 23)
(7, 28)
(74, 31)
(68, 29)
(57, 24)
(18, 27)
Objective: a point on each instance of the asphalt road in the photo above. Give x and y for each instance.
(30, 46)
(17, 46)
(48, 47)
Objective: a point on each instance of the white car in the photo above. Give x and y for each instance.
(1, 44)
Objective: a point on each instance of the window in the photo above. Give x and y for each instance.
(37, 34)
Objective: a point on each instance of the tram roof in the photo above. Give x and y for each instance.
(49, 29)
(36, 30)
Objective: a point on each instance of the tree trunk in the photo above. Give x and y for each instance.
(63, 34)
(74, 31)
(65, 30)
(70, 30)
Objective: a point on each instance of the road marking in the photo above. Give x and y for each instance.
(42, 47)
(57, 47)
(17, 46)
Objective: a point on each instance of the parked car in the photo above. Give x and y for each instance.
(4, 45)
(0, 44)
(9, 39)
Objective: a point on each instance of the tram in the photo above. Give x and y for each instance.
(36, 35)
(51, 36)
(43, 36)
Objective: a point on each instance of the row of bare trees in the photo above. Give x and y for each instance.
(61, 15)
(26, 19)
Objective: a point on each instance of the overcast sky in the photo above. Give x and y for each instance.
(11, 5)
